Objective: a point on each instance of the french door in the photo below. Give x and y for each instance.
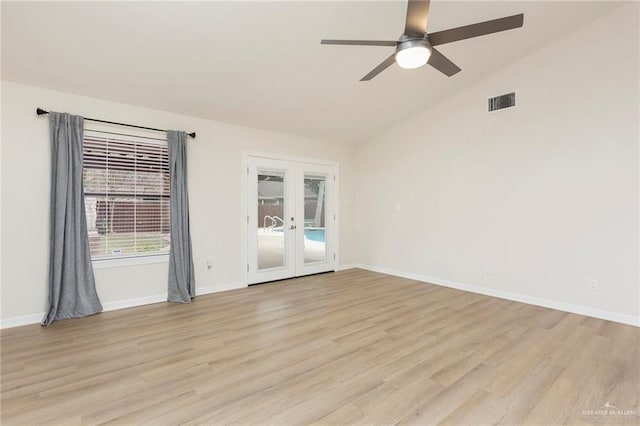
(291, 219)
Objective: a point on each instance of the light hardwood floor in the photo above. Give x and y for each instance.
(342, 348)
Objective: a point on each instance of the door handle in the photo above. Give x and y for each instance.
(292, 227)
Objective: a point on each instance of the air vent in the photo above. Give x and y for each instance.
(507, 100)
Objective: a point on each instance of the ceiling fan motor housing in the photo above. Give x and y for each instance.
(407, 43)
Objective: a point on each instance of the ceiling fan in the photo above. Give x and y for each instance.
(416, 47)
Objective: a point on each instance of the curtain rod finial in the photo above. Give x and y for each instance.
(192, 134)
(40, 111)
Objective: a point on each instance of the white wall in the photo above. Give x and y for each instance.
(528, 203)
(216, 198)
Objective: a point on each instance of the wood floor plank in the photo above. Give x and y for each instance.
(353, 347)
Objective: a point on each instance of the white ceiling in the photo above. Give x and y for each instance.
(261, 64)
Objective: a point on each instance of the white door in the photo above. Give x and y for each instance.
(291, 219)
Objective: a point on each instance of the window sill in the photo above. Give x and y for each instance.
(129, 261)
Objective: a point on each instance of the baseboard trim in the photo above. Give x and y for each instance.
(132, 303)
(516, 297)
(22, 320)
(121, 304)
(347, 266)
(218, 288)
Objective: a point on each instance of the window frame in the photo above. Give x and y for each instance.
(127, 259)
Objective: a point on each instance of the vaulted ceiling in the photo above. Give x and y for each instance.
(261, 64)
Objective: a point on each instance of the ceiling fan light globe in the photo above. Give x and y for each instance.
(413, 57)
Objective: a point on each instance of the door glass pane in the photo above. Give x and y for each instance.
(314, 219)
(271, 235)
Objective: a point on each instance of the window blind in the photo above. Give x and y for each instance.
(126, 188)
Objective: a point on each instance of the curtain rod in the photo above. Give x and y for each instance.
(40, 111)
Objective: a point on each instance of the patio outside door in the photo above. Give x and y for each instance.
(291, 219)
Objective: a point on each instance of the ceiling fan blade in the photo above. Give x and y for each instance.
(442, 64)
(360, 42)
(377, 70)
(417, 14)
(475, 30)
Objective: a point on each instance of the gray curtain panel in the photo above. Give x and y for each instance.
(72, 288)
(182, 286)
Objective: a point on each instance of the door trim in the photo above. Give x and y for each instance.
(244, 208)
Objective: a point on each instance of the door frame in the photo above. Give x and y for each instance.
(244, 226)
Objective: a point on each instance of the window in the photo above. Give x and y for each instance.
(126, 189)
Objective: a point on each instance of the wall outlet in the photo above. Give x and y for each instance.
(592, 284)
